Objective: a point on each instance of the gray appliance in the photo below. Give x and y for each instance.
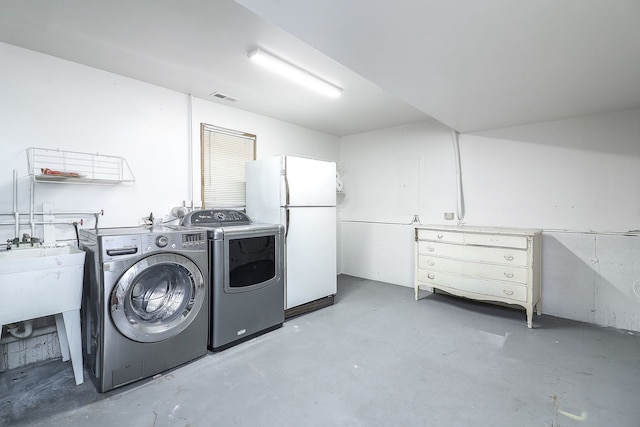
(145, 301)
(246, 264)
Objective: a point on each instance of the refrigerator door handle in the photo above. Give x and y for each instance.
(286, 230)
(286, 188)
(283, 173)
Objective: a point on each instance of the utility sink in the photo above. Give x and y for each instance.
(43, 281)
(39, 281)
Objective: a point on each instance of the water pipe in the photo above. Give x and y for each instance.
(16, 215)
(21, 329)
(460, 197)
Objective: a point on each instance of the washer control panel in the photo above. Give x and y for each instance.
(169, 241)
(121, 243)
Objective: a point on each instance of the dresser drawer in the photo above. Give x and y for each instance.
(507, 273)
(474, 238)
(484, 287)
(504, 256)
(503, 240)
(441, 236)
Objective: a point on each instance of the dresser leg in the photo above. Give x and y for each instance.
(529, 317)
(417, 291)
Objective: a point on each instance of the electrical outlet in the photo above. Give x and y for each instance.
(448, 216)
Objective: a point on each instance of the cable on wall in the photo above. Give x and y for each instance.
(362, 221)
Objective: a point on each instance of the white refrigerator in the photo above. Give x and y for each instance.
(300, 194)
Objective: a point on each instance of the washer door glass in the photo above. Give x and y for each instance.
(157, 298)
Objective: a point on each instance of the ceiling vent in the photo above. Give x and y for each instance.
(223, 96)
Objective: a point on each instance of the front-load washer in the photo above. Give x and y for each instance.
(246, 269)
(145, 302)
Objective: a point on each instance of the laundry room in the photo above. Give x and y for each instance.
(553, 151)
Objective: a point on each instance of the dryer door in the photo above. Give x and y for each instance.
(157, 298)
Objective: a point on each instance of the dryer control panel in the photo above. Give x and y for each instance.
(215, 218)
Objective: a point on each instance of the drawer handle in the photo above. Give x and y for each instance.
(508, 257)
(431, 276)
(431, 263)
(508, 291)
(508, 275)
(431, 249)
(440, 236)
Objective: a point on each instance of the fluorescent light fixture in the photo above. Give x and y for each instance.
(294, 73)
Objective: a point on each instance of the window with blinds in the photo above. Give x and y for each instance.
(224, 155)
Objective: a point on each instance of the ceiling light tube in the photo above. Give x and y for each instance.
(294, 73)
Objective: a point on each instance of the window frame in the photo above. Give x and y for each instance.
(208, 151)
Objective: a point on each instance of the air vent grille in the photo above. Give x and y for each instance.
(220, 95)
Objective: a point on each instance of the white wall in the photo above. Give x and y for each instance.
(52, 103)
(48, 102)
(579, 174)
(577, 179)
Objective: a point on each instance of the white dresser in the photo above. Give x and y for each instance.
(482, 263)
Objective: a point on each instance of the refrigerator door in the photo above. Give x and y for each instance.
(309, 182)
(265, 183)
(311, 254)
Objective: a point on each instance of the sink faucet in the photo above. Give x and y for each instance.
(10, 242)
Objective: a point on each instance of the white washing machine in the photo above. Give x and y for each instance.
(145, 303)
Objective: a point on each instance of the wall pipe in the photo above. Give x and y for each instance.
(16, 215)
(32, 212)
(191, 165)
(13, 223)
(57, 222)
(21, 330)
(101, 212)
(32, 201)
(460, 197)
(37, 332)
(51, 222)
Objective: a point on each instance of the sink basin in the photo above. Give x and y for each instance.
(40, 281)
(43, 281)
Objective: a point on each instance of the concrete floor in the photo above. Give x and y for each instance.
(376, 358)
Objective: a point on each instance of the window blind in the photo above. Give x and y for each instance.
(224, 155)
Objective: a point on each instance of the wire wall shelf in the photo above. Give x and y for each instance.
(71, 167)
